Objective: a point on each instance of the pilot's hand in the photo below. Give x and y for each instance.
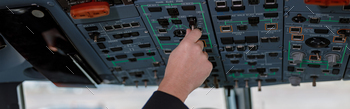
(50, 37)
(187, 68)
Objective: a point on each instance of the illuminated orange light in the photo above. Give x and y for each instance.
(89, 10)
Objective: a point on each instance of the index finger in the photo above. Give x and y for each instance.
(193, 36)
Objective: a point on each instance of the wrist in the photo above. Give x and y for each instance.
(174, 88)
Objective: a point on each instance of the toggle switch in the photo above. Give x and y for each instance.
(216, 81)
(259, 84)
(94, 36)
(155, 74)
(317, 54)
(236, 83)
(314, 80)
(246, 83)
(145, 81)
(206, 84)
(124, 79)
(136, 84)
(193, 22)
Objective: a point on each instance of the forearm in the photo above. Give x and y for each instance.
(188, 67)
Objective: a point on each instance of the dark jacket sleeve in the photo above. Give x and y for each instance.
(162, 100)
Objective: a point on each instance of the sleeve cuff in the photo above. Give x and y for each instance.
(162, 100)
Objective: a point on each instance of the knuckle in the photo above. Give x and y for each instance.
(197, 31)
(185, 43)
(209, 64)
(200, 42)
(197, 48)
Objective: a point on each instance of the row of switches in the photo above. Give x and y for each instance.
(103, 46)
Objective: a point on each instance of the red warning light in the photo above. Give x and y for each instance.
(328, 2)
(89, 10)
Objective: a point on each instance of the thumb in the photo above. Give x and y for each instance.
(52, 48)
(193, 36)
(188, 31)
(50, 41)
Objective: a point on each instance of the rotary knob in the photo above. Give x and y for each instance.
(298, 57)
(332, 59)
